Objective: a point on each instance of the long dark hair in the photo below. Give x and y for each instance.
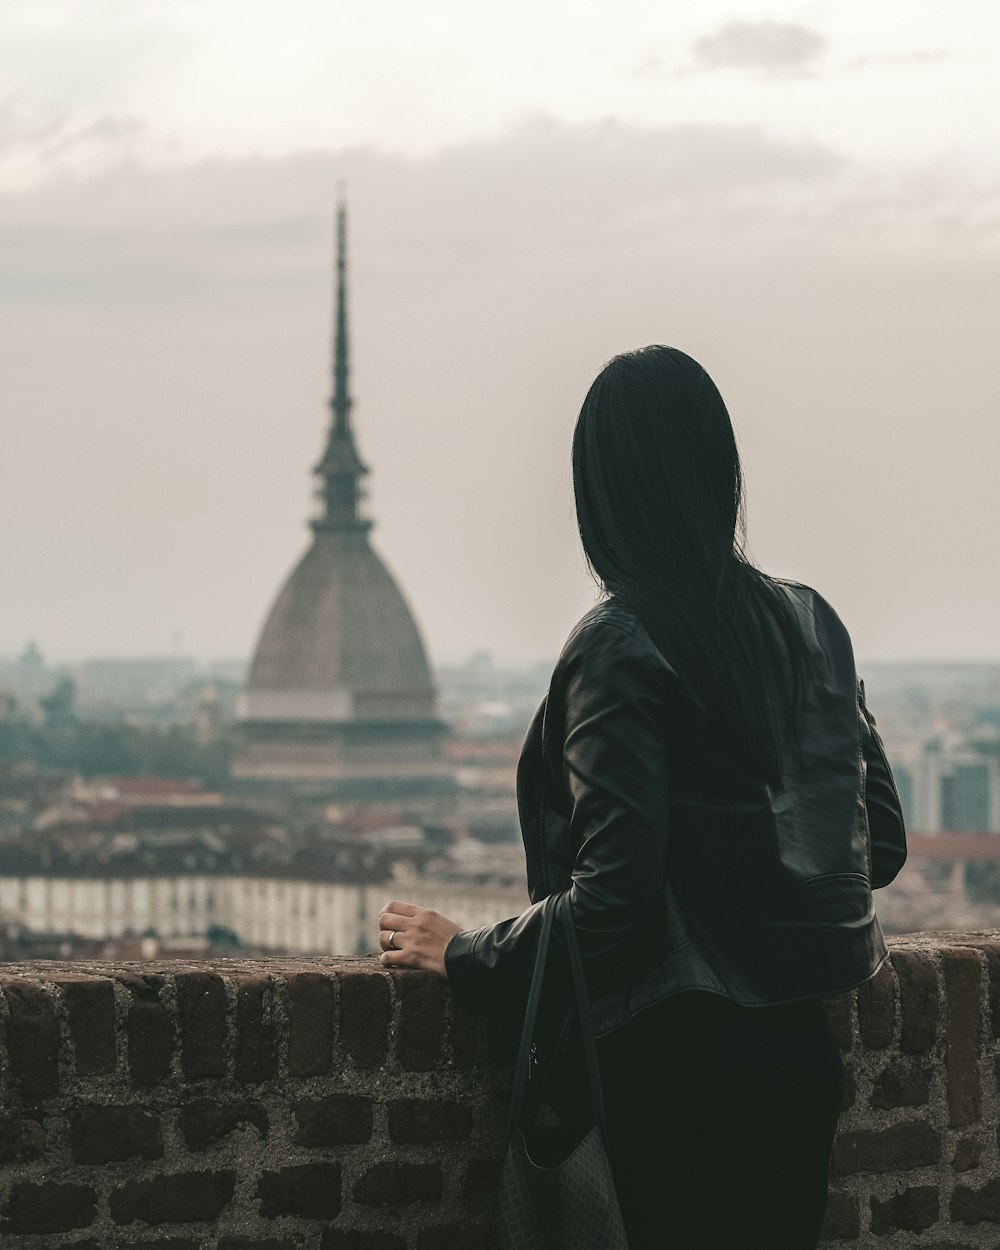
(661, 513)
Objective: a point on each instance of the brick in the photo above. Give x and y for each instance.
(422, 1121)
(421, 1019)
(364, 1016)
(143, 986)
(976, 1206)
(462, 1033)
(48, 1207)
(205, 1123)
(338, 1120)
(963, 982)
(21, 1139)
(149, 1029)
(877, 1009)
(310, 1024)
(841, 1220)
(101, 1134)
(909, 1210)
(90, 1010)
(309, 1190)
(354, 1239)
(396, 1184)
(256, 1034)
(456, 1237)
(181, 1198)
(481, 1179)
(32, 1039)
(967, 1155)
(201, 1008)
(912, 1144)
(901, 1084)
(838, 1012)
(919, 999)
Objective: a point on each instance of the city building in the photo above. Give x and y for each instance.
(948, 783)
(340, 700)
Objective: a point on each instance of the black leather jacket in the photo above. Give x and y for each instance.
(684, 871)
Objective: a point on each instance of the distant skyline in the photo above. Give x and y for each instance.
(806, 198)
(938, 667)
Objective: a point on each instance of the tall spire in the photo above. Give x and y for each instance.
(339, 471)
(341, 400)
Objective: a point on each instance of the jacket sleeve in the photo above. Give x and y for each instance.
(885, 812)
(614, 758)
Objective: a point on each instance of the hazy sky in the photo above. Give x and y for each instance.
(805, 197)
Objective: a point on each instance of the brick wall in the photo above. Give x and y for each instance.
(333, 1104)
(916, 1159)
(245, 1104)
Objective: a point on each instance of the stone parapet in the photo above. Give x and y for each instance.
(327, 1103)
(333, 1104)
(916, 1159)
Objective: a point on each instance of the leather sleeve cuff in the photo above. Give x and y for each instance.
(460, 962)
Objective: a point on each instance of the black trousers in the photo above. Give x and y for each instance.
(720, 1121)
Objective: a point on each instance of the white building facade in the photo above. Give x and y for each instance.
(269, 912)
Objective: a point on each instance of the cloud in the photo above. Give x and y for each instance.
(132, 232)
(42, 145)
(773, 47)
(543, 192)
(544, 189)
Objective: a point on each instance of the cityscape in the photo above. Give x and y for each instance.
(159, 806)
(126, 831)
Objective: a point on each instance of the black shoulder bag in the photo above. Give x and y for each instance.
(545, 1201)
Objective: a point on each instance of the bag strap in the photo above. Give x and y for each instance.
(534, 993)
(583, 1007)
(558, 905)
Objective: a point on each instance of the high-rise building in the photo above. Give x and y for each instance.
(340, 700)
(947, 785)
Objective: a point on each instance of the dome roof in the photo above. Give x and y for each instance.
(340, 642)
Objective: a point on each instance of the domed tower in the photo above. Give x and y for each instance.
(340, 700)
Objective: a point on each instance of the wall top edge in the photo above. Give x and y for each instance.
(49, 969)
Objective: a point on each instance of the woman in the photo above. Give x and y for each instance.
(705, 779)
